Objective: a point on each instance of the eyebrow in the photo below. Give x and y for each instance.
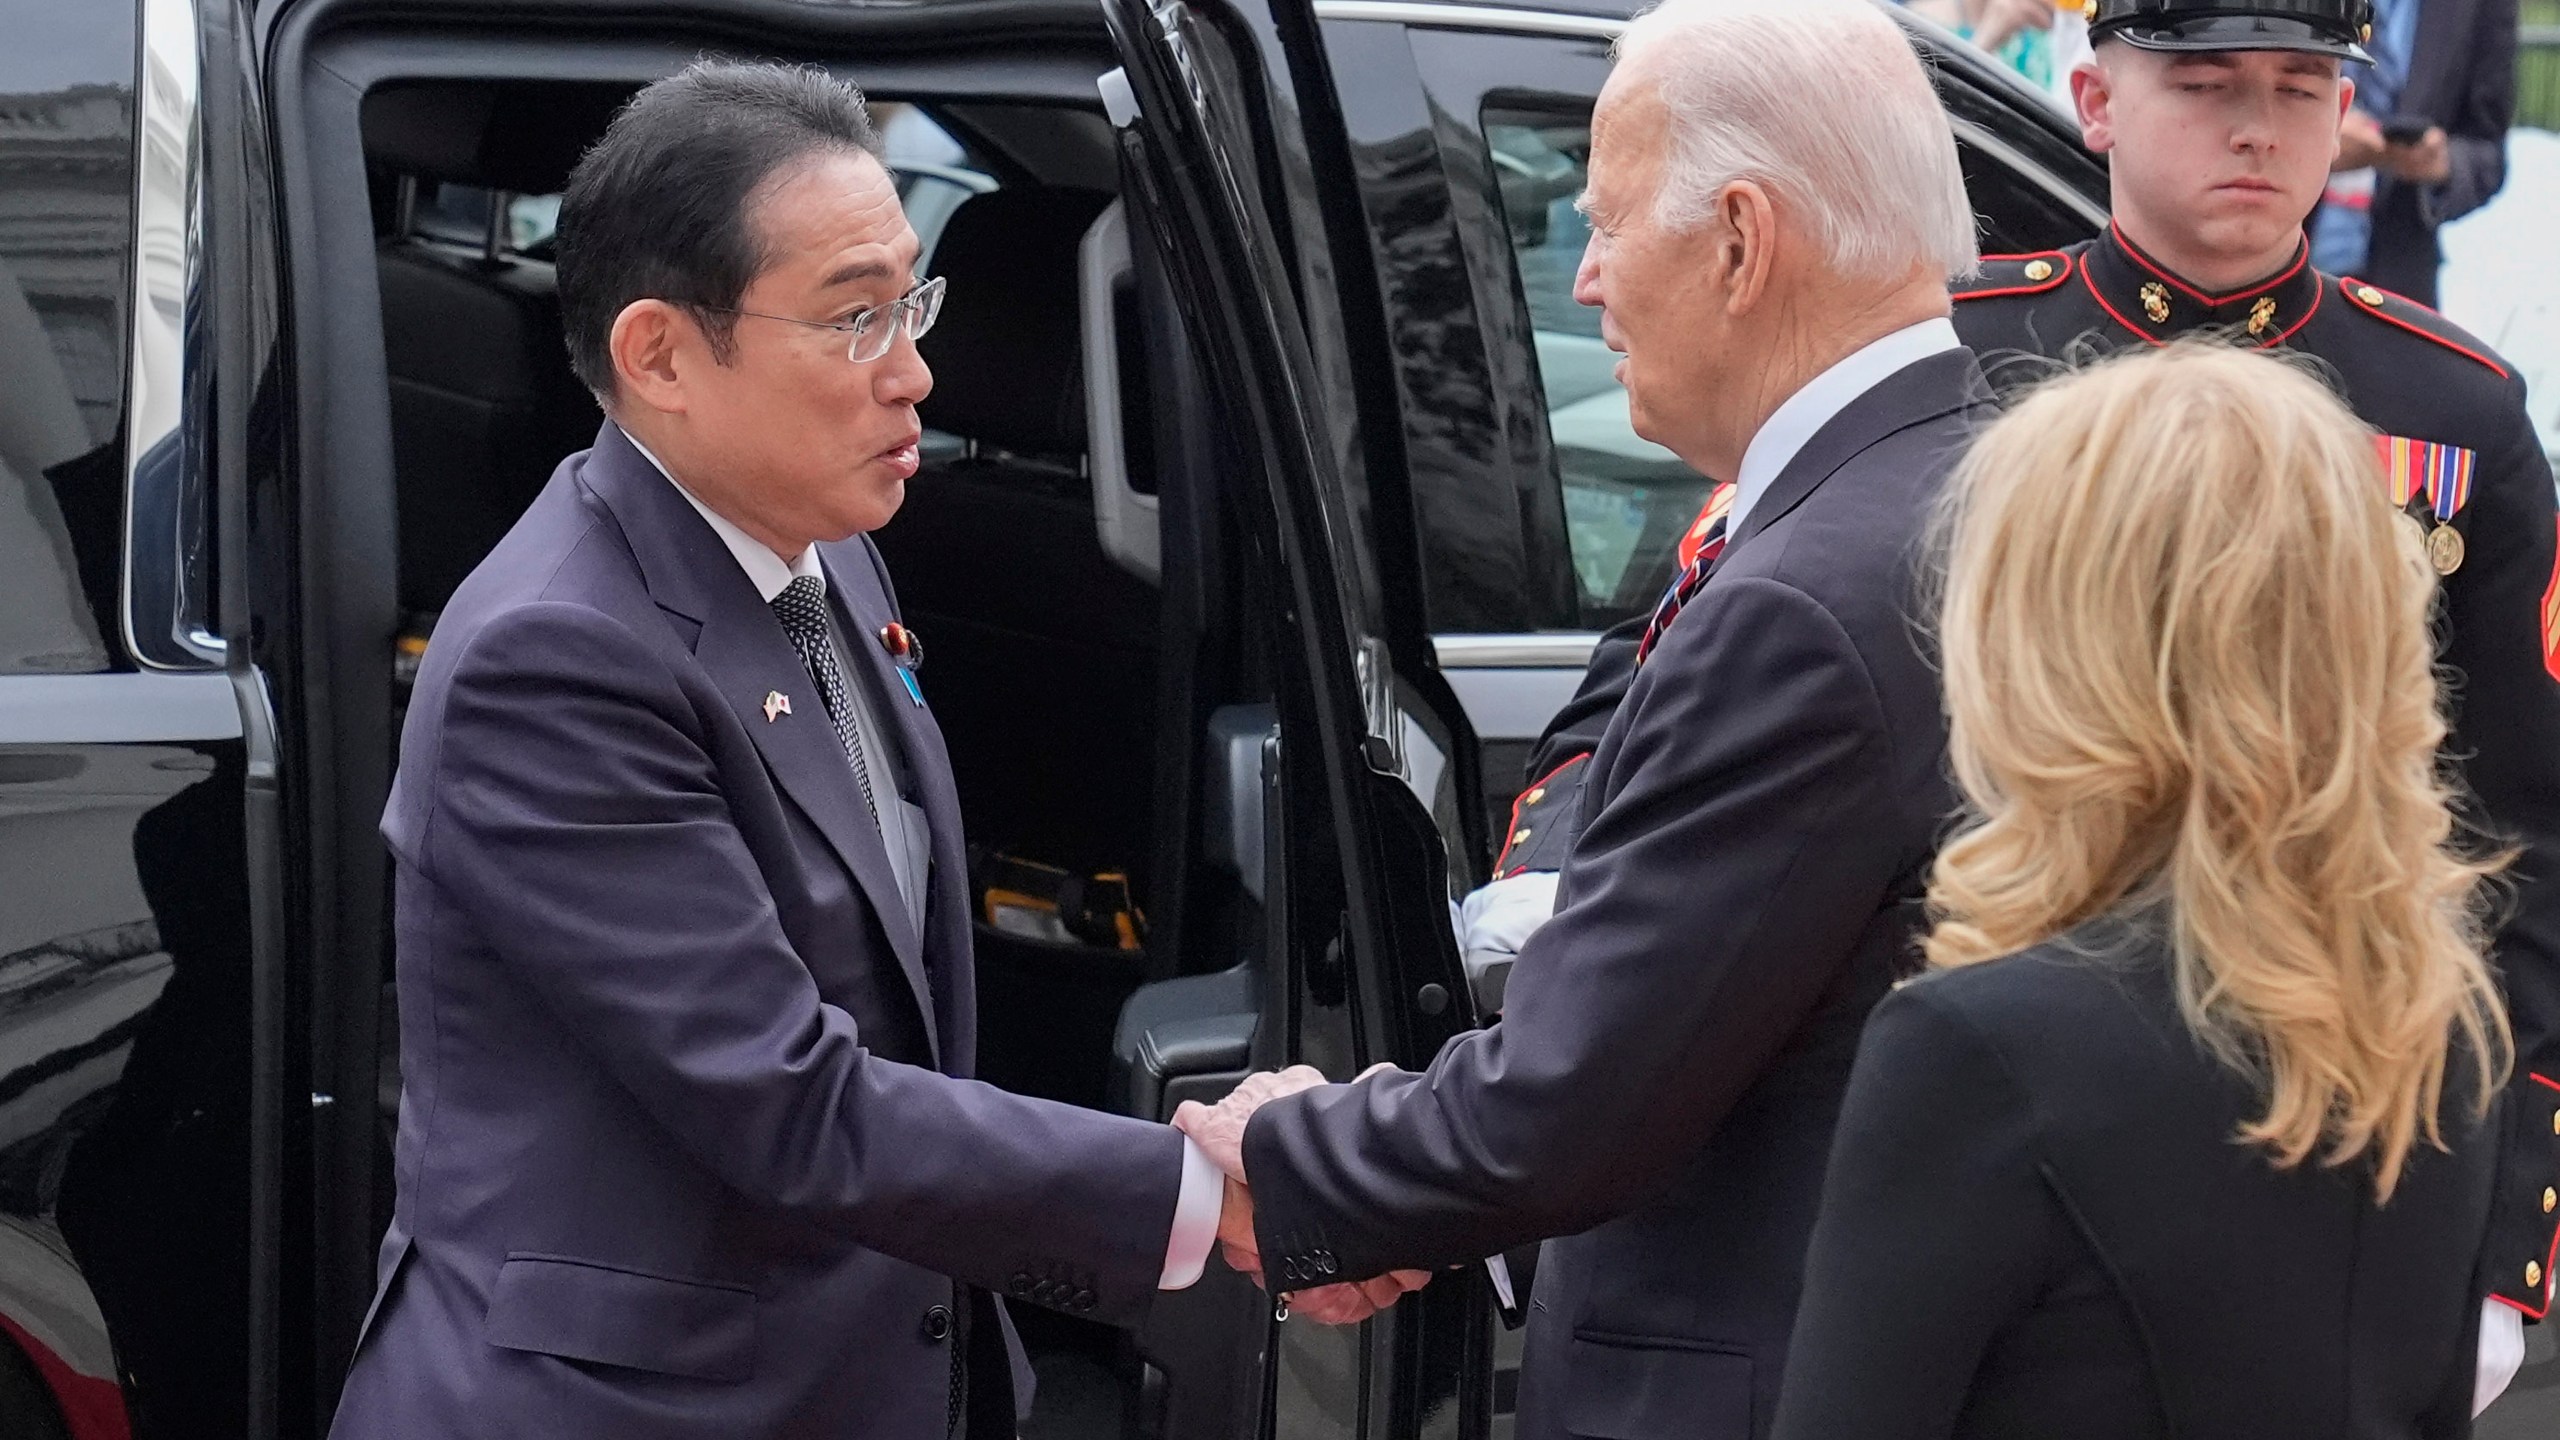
(2204, 62)
(857, 270)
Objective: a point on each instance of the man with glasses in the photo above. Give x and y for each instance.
(687, 1143)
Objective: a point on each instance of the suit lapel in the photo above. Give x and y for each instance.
(853, 577)
(742, 647)
(1922, 391)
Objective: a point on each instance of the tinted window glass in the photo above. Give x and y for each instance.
(66, 239)
(1626, 499)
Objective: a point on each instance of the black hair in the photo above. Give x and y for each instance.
(658, 209)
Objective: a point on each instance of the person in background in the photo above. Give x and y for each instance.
(2039, 39)
(2426, 142)
(2186, 1133)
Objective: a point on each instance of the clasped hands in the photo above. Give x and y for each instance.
(1219, 1130)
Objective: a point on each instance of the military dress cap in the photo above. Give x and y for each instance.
(2317, 27)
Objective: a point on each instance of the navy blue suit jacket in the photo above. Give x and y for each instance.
(1674, 1044)
(687, 1144)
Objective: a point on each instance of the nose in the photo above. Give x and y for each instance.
(2253, 126)
(901, 377)
(1586, 276)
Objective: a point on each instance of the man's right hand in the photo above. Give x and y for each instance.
(1497, 919)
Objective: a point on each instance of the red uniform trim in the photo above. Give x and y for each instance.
(2550, 618)
(2386, 317)
(2092, 285)
(2528, 1311)
(2553, 1258)
(92, 1407)
(2214, 302)
(2060, 276)
(1514, 827)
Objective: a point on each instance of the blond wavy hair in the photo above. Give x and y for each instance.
(2189, 672)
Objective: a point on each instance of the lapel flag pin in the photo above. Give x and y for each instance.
(775, 704)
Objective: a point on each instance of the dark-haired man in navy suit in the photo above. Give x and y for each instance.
(688, 1144)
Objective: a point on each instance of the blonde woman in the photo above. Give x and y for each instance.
(2184, 1134)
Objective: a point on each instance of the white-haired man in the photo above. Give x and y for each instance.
(1760, 816)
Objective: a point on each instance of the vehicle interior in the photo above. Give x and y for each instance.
(1060, 555)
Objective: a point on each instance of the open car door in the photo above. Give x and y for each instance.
(1218, 107)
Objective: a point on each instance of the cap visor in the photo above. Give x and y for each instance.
(2241, 32)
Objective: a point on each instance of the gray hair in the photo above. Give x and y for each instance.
(1825, 103)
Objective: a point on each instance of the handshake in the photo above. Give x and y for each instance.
(1219, 1130)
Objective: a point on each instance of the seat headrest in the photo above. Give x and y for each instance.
(1007, 353)
(518, 137)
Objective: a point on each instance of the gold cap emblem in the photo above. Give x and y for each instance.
(2039, 270)
(2155, 302)
(2368, 295)
(2089, 11)
(2262, 315)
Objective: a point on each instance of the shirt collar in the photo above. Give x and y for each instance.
(766, 569)
(2145, 297)
(1825, 396)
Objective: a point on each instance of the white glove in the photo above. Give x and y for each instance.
(2501, 1353)
(1498, 919)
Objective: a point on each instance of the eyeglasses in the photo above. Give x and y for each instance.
(870, 333)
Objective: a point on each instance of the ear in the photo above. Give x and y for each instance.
(1747, 250)
(647, 344)
(2093, 96)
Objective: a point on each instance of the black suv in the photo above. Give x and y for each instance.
(1275, 489)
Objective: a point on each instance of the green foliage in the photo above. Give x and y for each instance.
(2538, 67)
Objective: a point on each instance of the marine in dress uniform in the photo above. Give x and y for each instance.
(2463, 462)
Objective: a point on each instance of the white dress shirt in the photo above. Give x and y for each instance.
(1784, 433)
(1203, 1193)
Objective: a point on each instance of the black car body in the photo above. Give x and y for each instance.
(1265, 623)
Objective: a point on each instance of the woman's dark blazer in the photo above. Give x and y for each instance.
(2037, 1222)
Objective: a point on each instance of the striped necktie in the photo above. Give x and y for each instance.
(1709, 533)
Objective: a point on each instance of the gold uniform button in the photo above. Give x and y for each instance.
(2368, 295)
(2555, 1122)
(2532, 1272)
(1534, 796)
(2039, 269)
(2550, 1199)
(1522, 835)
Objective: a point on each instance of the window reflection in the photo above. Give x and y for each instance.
(66, 215)
(1626, 499)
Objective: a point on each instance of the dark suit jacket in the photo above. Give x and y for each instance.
(2038, 1222)
(1675, 1042)
(687, 1146)
(2462, 76)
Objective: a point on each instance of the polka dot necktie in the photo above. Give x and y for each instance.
(802, 609)
(1708, 535)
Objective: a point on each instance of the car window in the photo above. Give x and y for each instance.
(1626, 499)
(67, 141)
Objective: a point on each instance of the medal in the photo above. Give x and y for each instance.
(2444, 549)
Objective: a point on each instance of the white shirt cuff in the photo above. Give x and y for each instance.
(1195, 1218)
(2501, 1353)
